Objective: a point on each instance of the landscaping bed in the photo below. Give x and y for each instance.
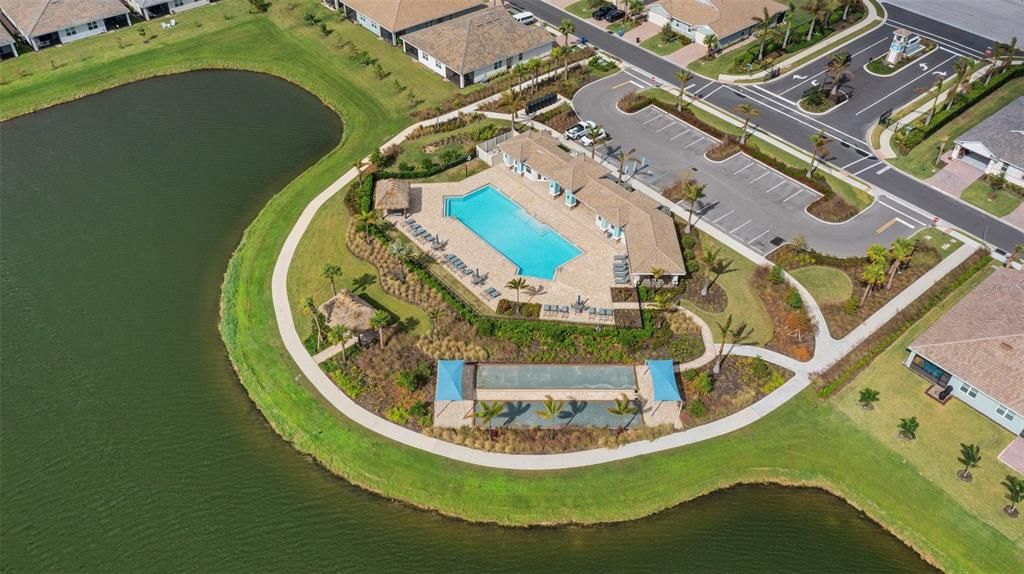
(564, 84)
(820, 100)
(559, 119)
(794, 331)
(521, 440)
(878, 65)
(741, 382)
(842, 318)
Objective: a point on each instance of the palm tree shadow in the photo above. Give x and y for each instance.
(513, 411)
(363, 282)
(575, 408)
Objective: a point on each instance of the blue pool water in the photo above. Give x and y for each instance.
(555, 377)
(529, 244)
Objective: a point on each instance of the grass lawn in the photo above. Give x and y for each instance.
(998, 202)
(581, 9)
(414, 152)
(856, 197)
(920, 162)
(657, 45)
(943, 428)
(744, 303)
(943, 242)
(804, 442)
(826, 284)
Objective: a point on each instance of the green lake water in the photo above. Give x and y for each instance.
(126, 442)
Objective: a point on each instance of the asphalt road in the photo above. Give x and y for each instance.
(756, 205)
(779, 118)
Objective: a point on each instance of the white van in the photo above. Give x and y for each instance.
(525, 18)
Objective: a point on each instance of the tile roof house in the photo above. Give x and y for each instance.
(52, 22)
(650, 234)
(157, 8)
(977, 349)
(471, 48)
(390, 19)
(7, 48)
(729, 20)
(996, 145)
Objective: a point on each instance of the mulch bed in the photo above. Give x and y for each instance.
(736, 387)
(794, 331)
(715, 301)
(628, 318)
(832, 208)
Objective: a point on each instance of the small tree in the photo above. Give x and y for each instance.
(703, 384)
(713, 267)
(487, 412)
(552, 409)
(868, 398)
(901, 253)
(656, 274)
(872, 276)
(331, 272)
(1014, 493)
(309, 307)
(513, 100)
(596, 134)
(775, 275)
(683, 77)
(961, 79)
(748, 111)
(711, 41)
(624, 407)
(379, 321)
(764, 29)
(794, 300)
(820, 142)
(970, 457)
(517, 284)
(338, 335)
(692, 193)
(908, 428)
(566, 27)
(624, 156)
(401, 251)
(367, 220)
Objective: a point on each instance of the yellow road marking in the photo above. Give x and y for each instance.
(886, 226)
(620, 85)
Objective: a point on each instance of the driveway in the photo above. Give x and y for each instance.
(751, 202)
(955, 177)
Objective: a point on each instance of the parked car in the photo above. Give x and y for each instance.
(525, 18)
(587, 141)
(615, 15)
(579, 130)
(600, 13)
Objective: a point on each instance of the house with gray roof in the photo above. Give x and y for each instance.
(996, 145)
(474, 47)
(47, 23)
(7, 48)
(391, 19)
(157, 8)
(976, 350)
(728, 20)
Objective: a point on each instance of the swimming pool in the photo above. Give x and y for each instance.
(598, 377)
(536, 249)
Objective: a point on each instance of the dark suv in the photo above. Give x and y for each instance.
(614, 15)
(600, 12)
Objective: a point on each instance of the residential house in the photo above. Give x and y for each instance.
(7, 48)
(390, 19)
(474, 47)
(632, 217)
(349, 310)
(976, 350)
(157, 8)
(996, 145)
(52, 22)
(728, 20)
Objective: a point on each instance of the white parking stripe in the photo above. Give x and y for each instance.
(903, 213)
(792, 196)
(680, 134)
(862, 170)
(724, 216)
(666, 127)
(759, 177)
(708, 95)
(795, 86)
(884, 169)
(759, 236)
(652, 119)
(774, 186)
(743, 168)
(847, 166)
(741, 225)
(916, 78)
(696, 141)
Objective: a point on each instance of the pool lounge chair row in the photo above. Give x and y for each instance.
(459, 266)
(561, 311)
(602, 314)
(490, 293)
(620, 268)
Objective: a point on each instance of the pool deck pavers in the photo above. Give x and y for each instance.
(588, 275)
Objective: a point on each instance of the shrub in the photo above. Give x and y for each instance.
(704, 384)
(775, 381)
(427, 164)
(908, 428)
(759, 367)
(259, 5)
(310, 18)
(377, 158)
(775, 275)
(399, 415)
(406, 380)
(794, 300)
(420, 409)
(405, 168)
(450, 155)
(852, 305)
(697, 408)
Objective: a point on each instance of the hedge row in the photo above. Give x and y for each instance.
(856, 361)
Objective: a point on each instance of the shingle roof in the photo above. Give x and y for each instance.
(479, 39)
(1002, 133)
(398, 15)
(37, 17)
(981, 339)
(725, 17)
(391, 194)
(651, 238)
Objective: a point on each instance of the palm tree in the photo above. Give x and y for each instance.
(877, 253)
(366, 220)
(937, 86)
(331, 272)
(340, 334)
(724, 330)
(487, 412)
(563, 53)
(764, 25)
(624, 407)
(846, 6)
(309, 308)
(942, 148)
(379, 321)
(595, 133)
(908, 428)
(789, 24)
(812, 7)
(824, 13)
(692, 193)
(960, 79)
(868, 398)
(820, 141)
(711, 41)
(1009, 53)
(838, 70)
(901, 252)
(518, 284)
(872, 276)
(714, 265)
(552, 409)
(635, 9)
(1014, 493)
(662, 302)
(656, 274)
(401, 251)
(623, 157)
(970, 456)
(513, 100)
(1017, 251)
(748, 111)
(997, 54)
(684, 77)
(566, 28)
(533, 67)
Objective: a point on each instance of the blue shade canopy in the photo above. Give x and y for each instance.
(664, 378)
(449, 381)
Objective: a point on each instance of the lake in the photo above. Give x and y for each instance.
(128, 443)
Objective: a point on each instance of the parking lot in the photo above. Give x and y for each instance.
(756, 205)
